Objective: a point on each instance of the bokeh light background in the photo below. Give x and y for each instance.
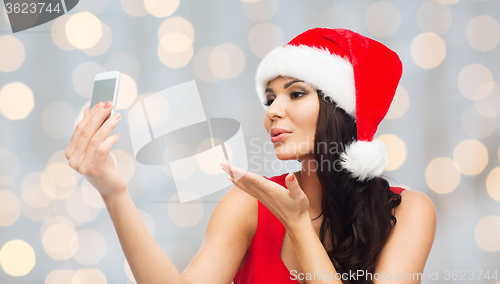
(442, 131)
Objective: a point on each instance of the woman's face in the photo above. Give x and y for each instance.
(294, 107)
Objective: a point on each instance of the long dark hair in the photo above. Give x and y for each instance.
(357, 215)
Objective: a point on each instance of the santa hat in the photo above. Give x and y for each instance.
(360, 74)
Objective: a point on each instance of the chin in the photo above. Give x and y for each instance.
(286, 156)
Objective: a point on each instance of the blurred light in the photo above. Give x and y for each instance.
(383, 19)
(434, 17)
(396, 151)
(59, 276)
(428, 50)
(12, 53)
(16, 101)
(134, 8)
(124, 62)
(57, 120)
(201, 64)
(185, 214)
(59, 34)
(264, 37)
(93, 6)
(475, 82)
(161, 8)
(83, 78)
(250, 1)
(10, 208)
(399, 105)
(124, 164)
(38, 213)
(176, 24)
(9, 167)
(483, 33)
(340, 17)
(83, 30)
(148, 221)
(91, 196)
(487, 233)
(60, 241)
(62, 179)
(471, 157)
(32, 191)
(17, 258)
(490, 106)
(103, 44)
(87, 276)
(127, 92)
(226, 61)
(260, 11)
(475, 125)
(79, 210)
(175, 41)
(485, 110)
(91, 247)
(442, 175)
(52, 189)
(62, 174)
(493, 183)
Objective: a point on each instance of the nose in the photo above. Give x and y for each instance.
(276, 109)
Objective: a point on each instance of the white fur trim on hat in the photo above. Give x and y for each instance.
(365, 159)
(331, 73)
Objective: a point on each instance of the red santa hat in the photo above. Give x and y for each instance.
(360, 74)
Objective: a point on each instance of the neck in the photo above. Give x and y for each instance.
(308, 180)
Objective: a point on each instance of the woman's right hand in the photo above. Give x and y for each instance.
(88, 150)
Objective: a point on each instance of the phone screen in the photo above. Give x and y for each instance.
(103, 91)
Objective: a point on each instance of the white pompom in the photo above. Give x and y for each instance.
(365, 159)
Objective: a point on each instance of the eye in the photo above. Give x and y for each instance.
(293, 95)
(298, 93)
(268, 102)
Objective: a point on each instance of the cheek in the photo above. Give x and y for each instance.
(307, 116)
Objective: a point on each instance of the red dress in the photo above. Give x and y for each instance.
(263, 263)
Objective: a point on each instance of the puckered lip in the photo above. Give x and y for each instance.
(276, 131)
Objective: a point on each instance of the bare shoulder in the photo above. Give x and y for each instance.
(414, 202)
(244, 206)
(410, 241)
(228, 236)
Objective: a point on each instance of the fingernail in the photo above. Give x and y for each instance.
(292, 177)
(99, 105)
(107, 105)
(118, 116)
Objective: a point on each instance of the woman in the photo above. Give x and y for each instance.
(331, 221)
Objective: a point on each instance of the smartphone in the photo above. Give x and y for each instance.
(105, 89)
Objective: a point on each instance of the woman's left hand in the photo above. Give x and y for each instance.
(290, 206)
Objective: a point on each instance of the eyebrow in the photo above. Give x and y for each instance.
(286, 85)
